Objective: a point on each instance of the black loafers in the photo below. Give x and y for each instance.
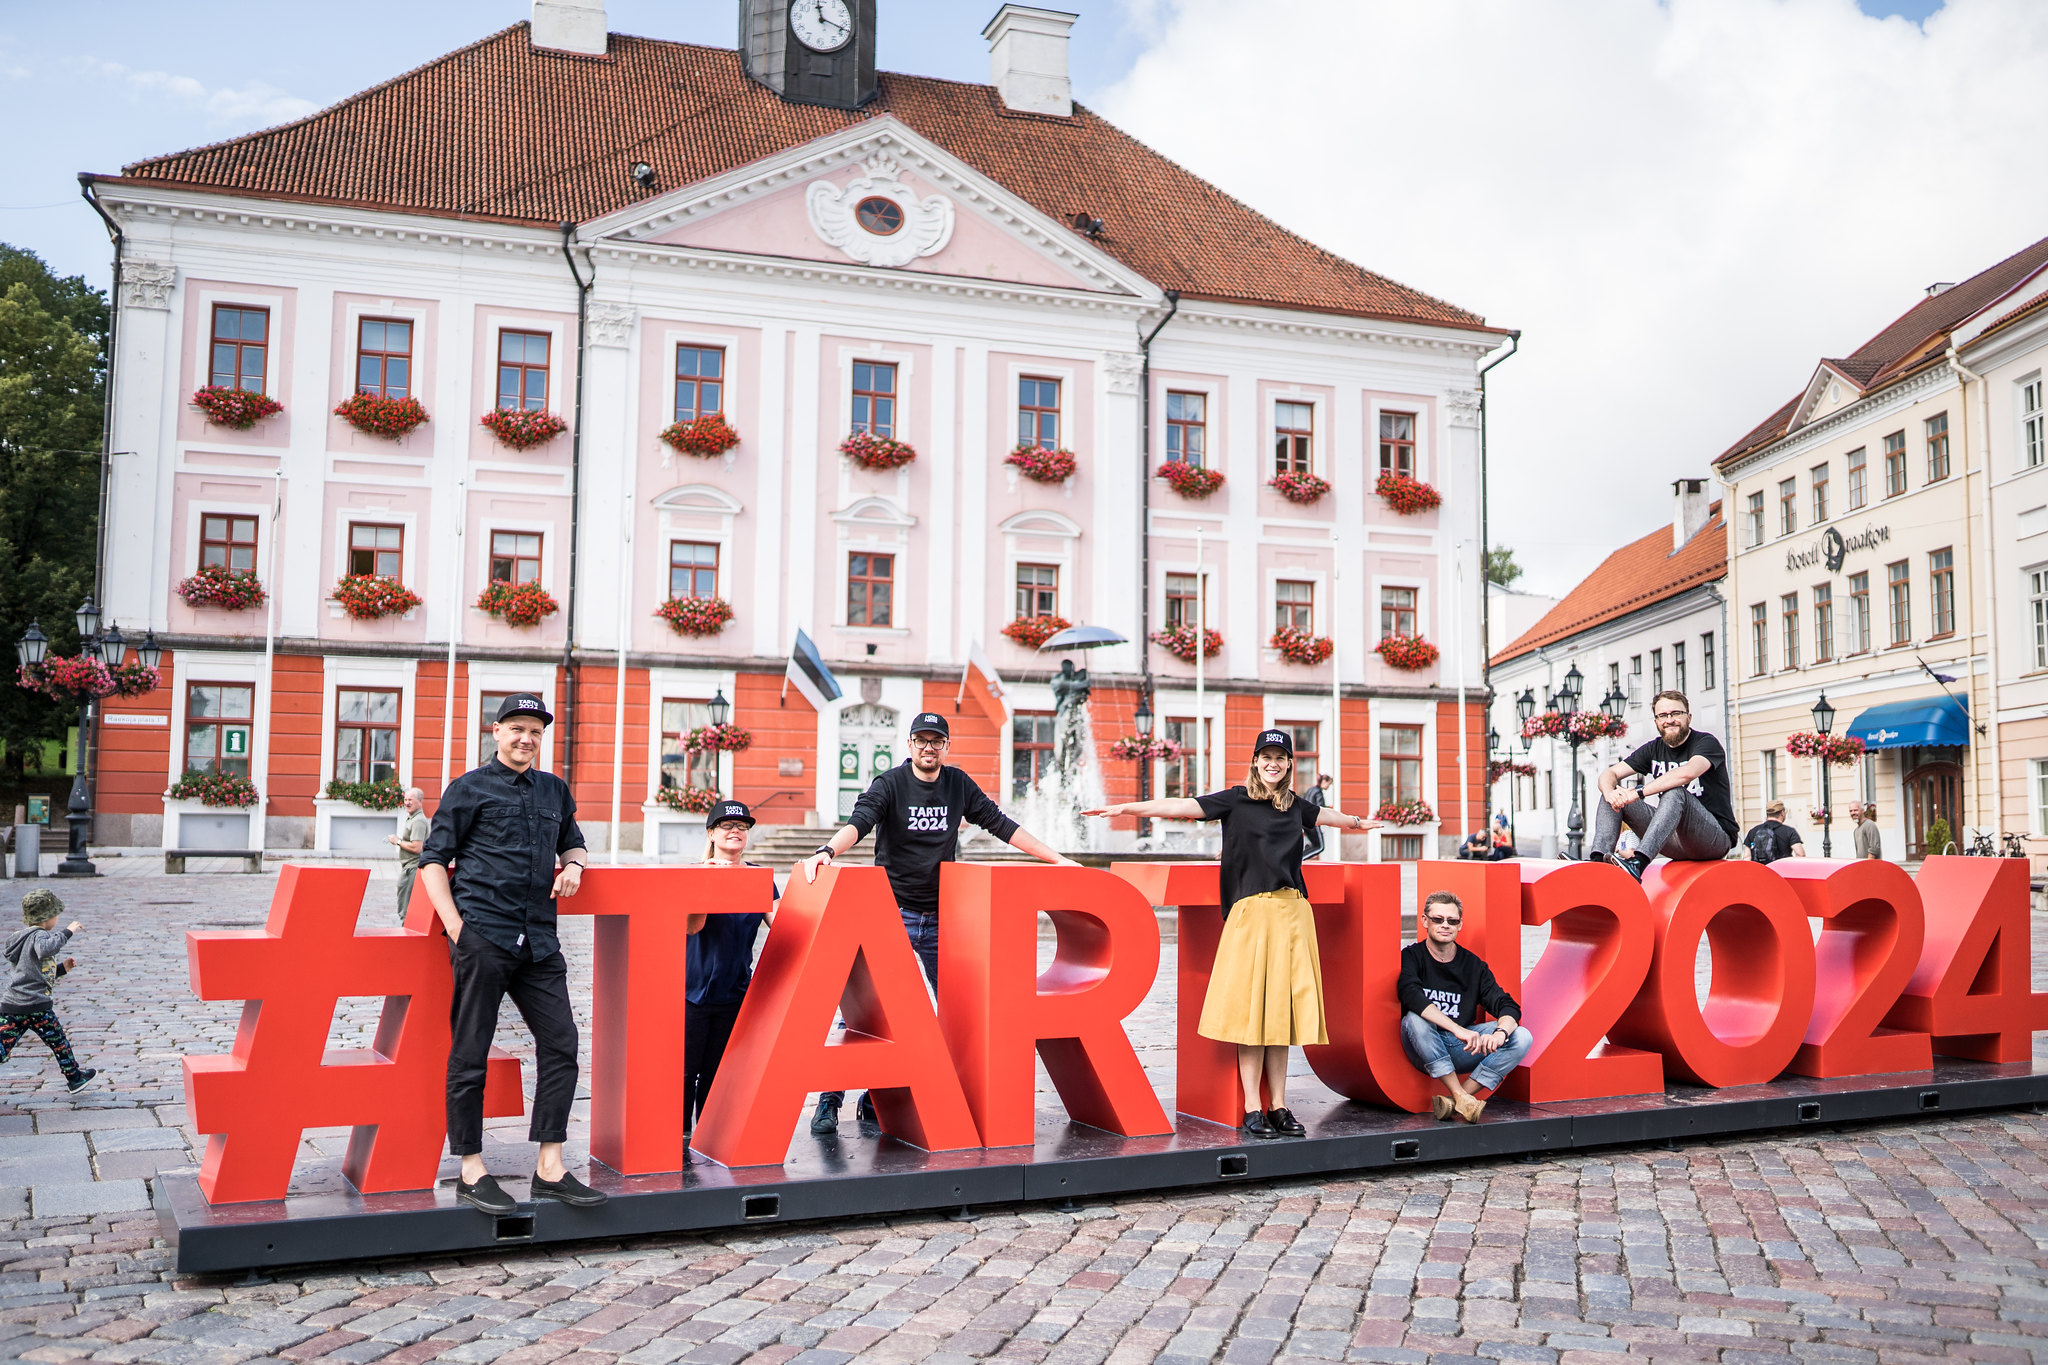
(1255, 1125)
(1284, 1124)
(485, 1195)
(568, 1190)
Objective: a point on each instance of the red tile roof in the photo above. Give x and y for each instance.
(502, 131)
(1917, 338)
(1635, 576)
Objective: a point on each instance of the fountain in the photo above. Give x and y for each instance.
(1052, 807)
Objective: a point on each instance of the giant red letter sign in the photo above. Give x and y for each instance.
(256, 1102)
(837, 941)
(1870, 939)
(1973, 986)
(994, 1007)
(1492, 897)
(1360, 941)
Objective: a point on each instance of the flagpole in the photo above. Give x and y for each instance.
(1201, 640)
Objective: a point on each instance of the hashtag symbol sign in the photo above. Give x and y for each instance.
(256, 1102)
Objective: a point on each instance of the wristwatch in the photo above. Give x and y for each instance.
(826, 849)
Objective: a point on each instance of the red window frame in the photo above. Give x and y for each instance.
(1941, 592)
(487, 704)
(1788, 506)
(1759, 639)
(700, 381)
(1038, 590)
(1859, 613)
(874, 397)
(1859, 479)
(1030, 749)
(1187, 426)
(1895, 464)
(1397, 443)
(679, 716)
(515, 556)
(1397, 611)
(523, 378)
(1294, 604)
(1937, 447)
(376, 548)
(1823, 623)
(228, 539)
(1178, 776)
(1400, 764)
(690, 572)
(1306, 750)
(384, 357)
(1788, 613)
(1294, 437)
(1038, 412)
(870, 589)
(213, 720)
(1183, 599)
(376, 755)
(1818, 483)
(239, 359)
(1898, 581)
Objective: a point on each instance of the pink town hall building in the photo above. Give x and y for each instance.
(601, 366)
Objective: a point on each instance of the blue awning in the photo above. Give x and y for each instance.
(1922, 722)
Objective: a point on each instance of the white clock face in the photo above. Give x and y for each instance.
(821, 25)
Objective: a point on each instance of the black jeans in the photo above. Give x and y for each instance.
(706, 1031)
(923, 931)
(484, 975)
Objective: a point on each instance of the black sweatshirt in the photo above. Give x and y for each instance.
(1460, 988)
(917, 827)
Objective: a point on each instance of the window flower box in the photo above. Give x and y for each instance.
(1406, 495)
(706, 437)
(712, 739)
(1190, 480)
(369, 596)
(71, 678)
(216, 789)
(687, 800)
(1041, 465)
(385, 795)
(1131, 747)
(695, 615)
(876, 452)
(1839, 750)
(390, 418)
(1408, 652)
(522, 605)
(1299, 647)
(1301, 488)
(238, 409)
(1405, 813)
(1179, 641)
(522, 430)
(218, 586)
(1033, 631)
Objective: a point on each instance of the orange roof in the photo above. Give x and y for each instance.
(500, 130)
(1635, 576)
(1916, 339)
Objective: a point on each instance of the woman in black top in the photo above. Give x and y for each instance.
(1266, 988)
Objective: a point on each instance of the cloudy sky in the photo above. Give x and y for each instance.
(1682, 204)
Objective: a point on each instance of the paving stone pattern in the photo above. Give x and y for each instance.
(1881, 1244)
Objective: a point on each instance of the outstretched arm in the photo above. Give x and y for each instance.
(1165, 808)
(1024, 841)
(1330, 815)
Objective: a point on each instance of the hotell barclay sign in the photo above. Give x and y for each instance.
(1833, 547)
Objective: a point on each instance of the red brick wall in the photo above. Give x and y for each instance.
(977, 741)
(1357, 786)
(781, 730)
(596, 716)
(296, 684)
(1243, 717)
(1447, 765)
(132, 759)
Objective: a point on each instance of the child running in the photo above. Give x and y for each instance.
(1266, 989)
(33, 967)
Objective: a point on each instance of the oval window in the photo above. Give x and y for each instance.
(878, 215)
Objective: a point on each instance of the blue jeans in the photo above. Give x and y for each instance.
(1438, 1052)
(923, 931)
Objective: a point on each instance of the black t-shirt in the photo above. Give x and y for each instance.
(1657, 758)
(1261, 846)
(720, 961)
(1460, 988)
(919, 827)
(1770, 841)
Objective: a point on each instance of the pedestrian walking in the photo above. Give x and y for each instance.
(410, 839)
(33, 968)
(721, 963)
(1869, 843)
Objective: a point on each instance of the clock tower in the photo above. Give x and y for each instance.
(811, 51)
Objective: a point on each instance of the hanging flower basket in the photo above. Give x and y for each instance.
(385, 795)
(706, 437)
(1300, 647)
(1179, 641)
(1543, 725)
(1041, 465)
(1587, 726)
(369, 596)
(1301, 488)
(1500, 768)
(1409, 652)
(695, 615)
(870, 451)
(1821, 815)
(1404, 813)
(70, 678)
(213, 789)
(1839, 750)
(714, 739)
(1033, 631)
(523, 430)
(522, 605)
(1407, 495)
(687, 800)
(1190, 480)
(1144, 749)
(239, 409)
(390, 418)
(218, 586)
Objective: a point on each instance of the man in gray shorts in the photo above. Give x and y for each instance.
(1687, 771)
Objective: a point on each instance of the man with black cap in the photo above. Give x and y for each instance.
(502, 828)
(917, 807)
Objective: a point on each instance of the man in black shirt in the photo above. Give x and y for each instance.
(502, 827)
(1442, 989)
(1773, 839)
(1687, 771)
(914, 810)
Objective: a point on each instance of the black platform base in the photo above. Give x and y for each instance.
(850, 1175)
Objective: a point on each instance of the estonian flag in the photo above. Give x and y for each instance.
(808, 672)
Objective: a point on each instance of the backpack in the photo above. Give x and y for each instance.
(1763, 844)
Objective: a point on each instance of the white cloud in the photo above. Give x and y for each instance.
(255, 105)
(1683, 204)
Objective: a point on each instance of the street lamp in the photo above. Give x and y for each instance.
(32, 645)
(149, 651)
(1566, 703)
(720, 708)
(1142, 718)
(1615, 702)
(111, 649)
(1823, 722)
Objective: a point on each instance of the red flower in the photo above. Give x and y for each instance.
(213, 789)
(523, 430)
(216, 585)
(688, 800)
(1301, 488)
(1406, 495)
(695, 615)
(1404, 812)
(1041, 465)
(390, 418)
(1179, 641)
(524, 604)
(711, 739)
(1300, 647)
(876, 452)
(1033, 631)
(368, 596)
(1409, 652)
(1839, 750)
(707, 436)
(237, 408)
(1132, 747)
(1190, 480)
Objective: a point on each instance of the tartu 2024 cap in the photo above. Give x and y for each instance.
(732, 810)
(525, 704)
(1275, 739)
(930, 721)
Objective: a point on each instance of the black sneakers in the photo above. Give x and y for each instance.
(1635, 864)
(84, 1079)
(568, 1190)
(1255, 1125)
(485, 1195)
(826, 1119)
(865, 1110)
(1284, 1124)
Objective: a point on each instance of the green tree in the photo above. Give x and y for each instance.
(53, 335)
(1501, 567)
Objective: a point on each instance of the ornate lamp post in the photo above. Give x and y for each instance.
(1824, 721)
(1142, 718)
(720, 708)
(1566, 704)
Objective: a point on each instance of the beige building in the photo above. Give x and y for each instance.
(1859, 552)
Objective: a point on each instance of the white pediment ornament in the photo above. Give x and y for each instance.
(146, 283)
(926, 227)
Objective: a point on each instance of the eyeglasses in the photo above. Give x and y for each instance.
(1672, 715)
(1447, 923)
(917, 743)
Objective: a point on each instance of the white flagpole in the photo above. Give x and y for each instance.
(454, 634)
(1201, 639)
(1335, 852)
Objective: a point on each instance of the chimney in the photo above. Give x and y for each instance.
(569, 26)
(1691, 513)
(1027, 58)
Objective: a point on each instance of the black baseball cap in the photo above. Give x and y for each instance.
(731, 810)
(932, 721)
(525, 704)
(1275, 739)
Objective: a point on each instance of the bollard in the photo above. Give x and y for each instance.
(28, 850)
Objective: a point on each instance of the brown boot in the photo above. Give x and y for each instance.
(1441, 1106)
(1470, 1109)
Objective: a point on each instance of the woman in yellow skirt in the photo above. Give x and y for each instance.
(1266, 989)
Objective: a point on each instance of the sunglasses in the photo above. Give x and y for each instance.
(1444, 920)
